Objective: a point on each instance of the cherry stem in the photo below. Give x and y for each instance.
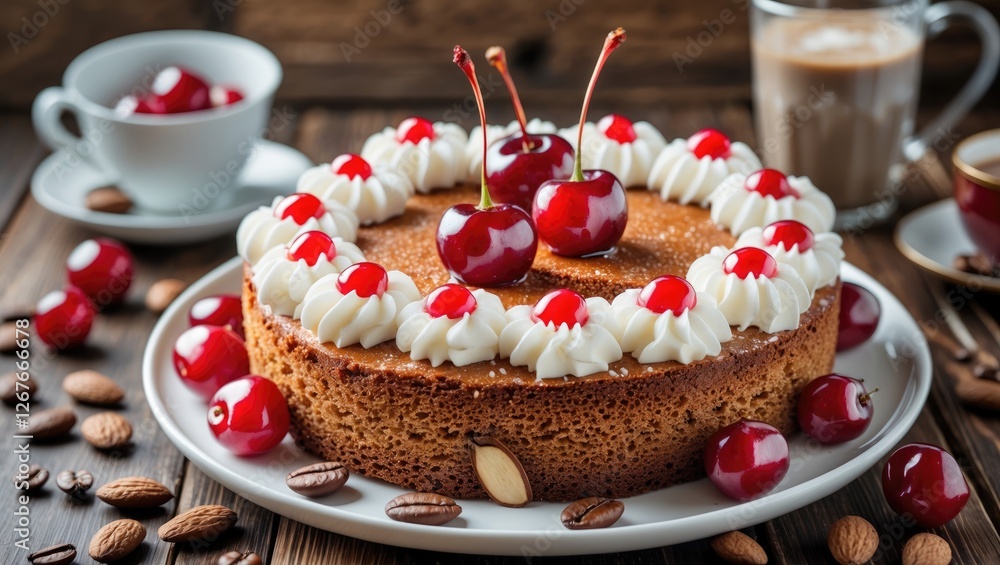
(864, 398)
(611, 42)
(462, 59)
(498, 58)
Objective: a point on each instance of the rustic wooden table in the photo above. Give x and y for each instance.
(35, 244)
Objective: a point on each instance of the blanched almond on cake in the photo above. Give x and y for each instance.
(200, 523)
(92, 387)
(134, 492)
(500, 473)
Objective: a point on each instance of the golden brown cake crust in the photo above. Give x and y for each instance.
(617, 434)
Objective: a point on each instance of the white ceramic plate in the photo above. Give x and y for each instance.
(896, 360)
(933, 236)
(61, 185)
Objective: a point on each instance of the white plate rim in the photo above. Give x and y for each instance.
(568, 542)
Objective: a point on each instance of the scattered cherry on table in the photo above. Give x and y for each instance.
(103, 269)
(223, 310)
(747, 459)
(207, 357)
(249, 415)
(835, 408)
(924, 482)
(63, 318)
(859, 315)
(562, 307)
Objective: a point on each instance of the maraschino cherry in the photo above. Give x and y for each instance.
(859, 315)
(218, 310)
(450, 300)
(490, 244)
(788, 234)
(750, 262)
(586, 214)
(224, 95)
(747, 459)
(710, 143)
(770, 182)
(207, 357)
(520, 163)
(561, 307)
(102, 268)
(414, 130)
(249, 415)
(668, 293)
(352, 166)
(925, 483)
(364, 279)
(63, 318)
(617, 128)
(835, 408)
(309, 246)
(129, 105)
(300, 207)
(180, 90)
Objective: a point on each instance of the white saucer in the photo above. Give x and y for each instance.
(933, 236)
(271, 170)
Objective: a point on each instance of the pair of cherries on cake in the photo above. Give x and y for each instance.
(176, 90)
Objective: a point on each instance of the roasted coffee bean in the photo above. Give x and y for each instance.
(48, 424)
(317, 480)
(74, 482)
(424, 508)
(241, 558)
(108, 199)
(61, 554)
(591, 513)
(33, 479)
(14, 390)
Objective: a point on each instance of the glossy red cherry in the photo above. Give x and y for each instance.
(366, 279)
(788, 234)
(207, 357)
(925, 483)
(859, 315)
(835, 408)
(300, 207)
(150, 104)
(560, 307)
(769, 182)
(352, 166)
(249, 415)
(224, 95)
(489, 244)
(450, 300)
(747, 261)
(63, 318)
(414, 130)
(310, 246)
(746, 460)
(710, 143)
(181, 90)
(586, 214)
(102, 268)
(514, 174)
(617, 127)
(218, 310)
(668, 292)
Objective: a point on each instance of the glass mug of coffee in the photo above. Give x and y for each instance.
(835, 86)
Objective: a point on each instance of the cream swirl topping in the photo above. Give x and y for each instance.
(654, 338)
(282, 283)
(474, 147)
(430, 163)
(771, 304)
(553, 352)
(348, 319)
(678, 174)
(374, 200)
(818, 266)
(469, 339)
(738, 209)
(630, 162)
(261, 230)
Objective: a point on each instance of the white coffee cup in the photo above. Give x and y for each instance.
(164, 162)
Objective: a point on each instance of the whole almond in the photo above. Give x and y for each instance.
(8, 337)
(14, 390)
(108, 199)
(52, 423)
(162, 293)
(134, 492)
(106, 430)
(92, 387)
(739, 548)
(852, 540)
(116, 540)
(500, 473)
(591, 513)
(926, 549)
(200, 523)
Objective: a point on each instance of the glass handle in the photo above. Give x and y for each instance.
(939, 17)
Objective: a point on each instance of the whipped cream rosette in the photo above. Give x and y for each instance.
(431, 156)
(289, 217)
(452, 324)
(285, 273)
(742, 202)
(687, 172)
(816, 257)
(562, 335)
(374, 194)
(668, 321)
(474, 147)
(360, 305)
(617, 145)
(751, 288)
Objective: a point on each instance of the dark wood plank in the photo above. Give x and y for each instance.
(22, 152)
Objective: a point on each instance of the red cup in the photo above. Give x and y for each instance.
(977, 190)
